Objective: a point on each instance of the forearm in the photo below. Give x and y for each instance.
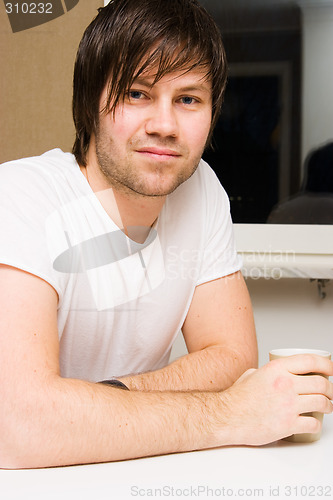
(212, 369)
(79, 422)
(65, 421)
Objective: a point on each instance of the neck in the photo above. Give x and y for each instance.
(126, 209)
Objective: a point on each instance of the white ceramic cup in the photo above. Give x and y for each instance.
(282, 353)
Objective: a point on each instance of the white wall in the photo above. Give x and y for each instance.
(288, 313)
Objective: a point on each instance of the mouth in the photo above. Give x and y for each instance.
(158, 153)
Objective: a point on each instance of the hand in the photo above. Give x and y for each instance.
(265, 405)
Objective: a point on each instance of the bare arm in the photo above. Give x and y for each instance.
(220, 336)
(46, 420)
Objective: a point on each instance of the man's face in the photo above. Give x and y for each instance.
(155, 139)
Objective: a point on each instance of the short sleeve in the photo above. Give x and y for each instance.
(219, 255)
(25, 201)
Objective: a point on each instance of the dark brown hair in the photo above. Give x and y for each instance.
(130, 36)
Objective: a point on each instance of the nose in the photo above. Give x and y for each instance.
(162, 120)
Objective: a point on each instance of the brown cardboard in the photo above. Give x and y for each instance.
(36, 69)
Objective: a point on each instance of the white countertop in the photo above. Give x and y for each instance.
(280, 470)
(285, 250)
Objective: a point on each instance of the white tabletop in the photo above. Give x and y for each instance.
(280, 470)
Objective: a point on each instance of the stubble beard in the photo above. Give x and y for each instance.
(123, 176)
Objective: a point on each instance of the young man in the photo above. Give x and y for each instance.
(107, 254)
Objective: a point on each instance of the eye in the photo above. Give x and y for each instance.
(188, 100)
(135, 95)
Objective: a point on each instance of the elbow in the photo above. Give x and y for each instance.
(23, 429)
(249, 359)
(9, 450)
(252, 359)
(15, 452)
(16, 455)
(7, 414)
(9, 462)
(248, 352)
(244, 359)
(12, 461)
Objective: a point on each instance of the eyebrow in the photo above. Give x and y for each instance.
(188, 88)
(194, 88)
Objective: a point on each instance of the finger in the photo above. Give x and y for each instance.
(308, 363)
(307, 425)
(313, 384)
(314, 403)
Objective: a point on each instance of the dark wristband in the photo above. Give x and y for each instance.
(115, 383)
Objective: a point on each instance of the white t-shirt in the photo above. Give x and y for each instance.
(121, 304)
